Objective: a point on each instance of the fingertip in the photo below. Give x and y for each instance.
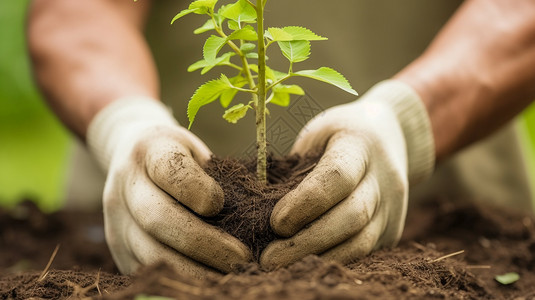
(210, 202)
(280, 220)
(178, 174)
(269, 260)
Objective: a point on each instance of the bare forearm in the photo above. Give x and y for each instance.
(478, 73)
(87, 54)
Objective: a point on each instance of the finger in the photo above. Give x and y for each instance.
(147, 251)
(337, 225)
(337, 174)
(173, 169)
(172, 224)
(361, 244)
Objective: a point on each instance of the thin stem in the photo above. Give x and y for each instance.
(261, 164)
(234, 66)
(280, 81)
(238, 51)
(223, 35)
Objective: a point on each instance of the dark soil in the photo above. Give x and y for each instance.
(248, 203)
(494, 242)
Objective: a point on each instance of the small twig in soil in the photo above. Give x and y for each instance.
(418, 246)
(45, 271)
(447, 256)
(478, 267)
(80, 292)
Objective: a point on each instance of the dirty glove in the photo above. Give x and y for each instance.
(154, 187)
(355, 199)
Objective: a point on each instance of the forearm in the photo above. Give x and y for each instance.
(478, 73)
(87, 54)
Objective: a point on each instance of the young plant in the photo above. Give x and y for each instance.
(232, 27)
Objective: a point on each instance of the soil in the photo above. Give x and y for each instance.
(249, 203)
(428, 262)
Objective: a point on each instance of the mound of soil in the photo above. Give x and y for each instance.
(249, 203)
(448, 251)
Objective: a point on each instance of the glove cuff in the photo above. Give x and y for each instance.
(120, 119)
(415, 124)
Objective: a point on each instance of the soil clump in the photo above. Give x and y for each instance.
(249, 203)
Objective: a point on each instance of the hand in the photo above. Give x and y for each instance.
(355, 199)
(154, 176)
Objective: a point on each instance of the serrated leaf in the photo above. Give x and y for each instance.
(507, 278)
(235, 113)
(209, 25)
(302, 33)
(228, 95)
(205, 94)
(203, 6)
(225, 79)
(247, 47)
(183, 13)
(241, 11)
(277, 34)
(296, 51)
(329, 76)
(206, 66)
(246, 33)
(212, 46)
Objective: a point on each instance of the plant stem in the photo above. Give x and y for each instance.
(261, 164)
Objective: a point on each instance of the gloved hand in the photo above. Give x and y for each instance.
(355, 199)
(153, 178)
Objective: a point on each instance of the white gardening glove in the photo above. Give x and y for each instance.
(355, 199)
(154, 185)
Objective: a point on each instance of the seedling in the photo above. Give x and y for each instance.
(232, 28)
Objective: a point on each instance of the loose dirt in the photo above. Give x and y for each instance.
(485, 242)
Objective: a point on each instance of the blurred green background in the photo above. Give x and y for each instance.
(35, 149)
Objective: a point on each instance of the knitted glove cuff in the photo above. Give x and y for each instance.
(415, 124)
(119, 121)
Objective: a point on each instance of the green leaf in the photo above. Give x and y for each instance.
(207, 66)
(280, 99)
(235, 113)
(205, 94)
(246, 33)
(233, 25)
(183, 13)
(281, 94)
(199, 7)
(293, 33)
(212, 46)
(289, 89)
(507, 278)
(228, 95)
(296, 51)
(203, 6)
(252, 55)
(329, 76)
(241, 11)
(247, 47)
(209, 25)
